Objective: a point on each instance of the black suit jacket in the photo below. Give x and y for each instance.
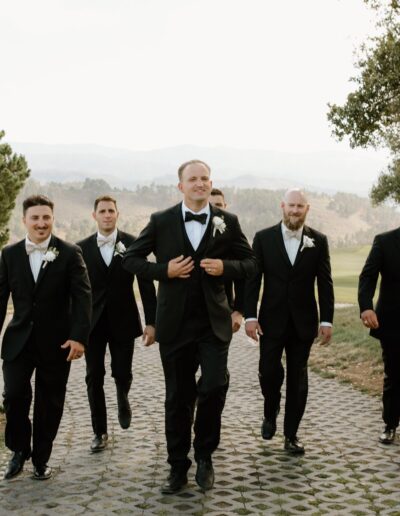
(112, 290)
(289, 290)
(57, 307)
(164, 237)
(383, 259)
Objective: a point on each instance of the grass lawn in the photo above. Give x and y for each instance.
(346, 267)
(353, 356)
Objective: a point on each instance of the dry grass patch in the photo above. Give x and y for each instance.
(353, 356)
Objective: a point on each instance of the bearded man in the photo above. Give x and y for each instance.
(291, 257)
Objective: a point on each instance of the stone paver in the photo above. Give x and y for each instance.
(344, 471)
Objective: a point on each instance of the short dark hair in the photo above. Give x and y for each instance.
(36, 200)
(217, 191)
(106, 198)
(192, 162)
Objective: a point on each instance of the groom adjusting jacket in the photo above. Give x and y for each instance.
(197, 249)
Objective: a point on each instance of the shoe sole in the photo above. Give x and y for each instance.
(170, 491)
(97, 451)
(41, 478)
(267, 437)
(13, 476)
(203, 488)
(293, 452)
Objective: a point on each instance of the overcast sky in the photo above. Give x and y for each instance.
(145, 74)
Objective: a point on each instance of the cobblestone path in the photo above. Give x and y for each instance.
(344, 471)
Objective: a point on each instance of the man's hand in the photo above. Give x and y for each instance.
(180, 267)
(324, 335)
(213, 267)
(370, 319)
(237, 318)
(148, 336)
(253, 330)
(76, 349)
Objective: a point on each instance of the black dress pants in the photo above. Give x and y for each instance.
(51, 376)
(391, 382)
(271, 376)
(195, 345)
(121, 370)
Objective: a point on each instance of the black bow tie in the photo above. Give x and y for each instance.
(201, 217)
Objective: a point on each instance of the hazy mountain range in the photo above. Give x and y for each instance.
(325, 171)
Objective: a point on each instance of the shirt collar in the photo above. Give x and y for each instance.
(45, 243)
(206, 210)
(112, 236)
(285, 228)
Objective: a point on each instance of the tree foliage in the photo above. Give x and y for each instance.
(13, 173)
(371, 113)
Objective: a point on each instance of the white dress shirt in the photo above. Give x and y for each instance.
(194, 230)
(107, 250)
(292, 240)
(36, 257)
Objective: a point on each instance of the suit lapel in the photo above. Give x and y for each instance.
(300, 253)
(177, 222)
(101, 264)
(115, 257)
(214, 212)
(45, 265)
(281, 244)
(398, 237)
(27, 271)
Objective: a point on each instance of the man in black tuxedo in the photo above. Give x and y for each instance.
(383, 322)
(115, 317)
(197, 248)
(50, 289)
(291, 257)
(234, 289)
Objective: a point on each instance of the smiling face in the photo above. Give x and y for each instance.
(106, 216)
(294, 209)
(195, 184)
(39, 222)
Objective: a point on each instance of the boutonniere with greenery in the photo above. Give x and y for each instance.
(218, 225)
(119, 249)
(50, 255)
(307, 242)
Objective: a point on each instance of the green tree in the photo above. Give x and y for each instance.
(371, 115)
(13, 173)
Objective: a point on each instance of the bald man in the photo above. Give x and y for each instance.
(291, 257)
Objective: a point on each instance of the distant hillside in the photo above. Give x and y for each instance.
(347, 219)
(325, 171)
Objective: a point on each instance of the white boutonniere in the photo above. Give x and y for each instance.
(50, 255)
(307, 242)
(119, 249)
(219, 225)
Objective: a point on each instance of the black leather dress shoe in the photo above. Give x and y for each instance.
(42, 472)
(387, 436)
(205, 474)
(99, 443)
(15, 465)
(177, 479)
(294, 446)
(268, 429)
(124, 409)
